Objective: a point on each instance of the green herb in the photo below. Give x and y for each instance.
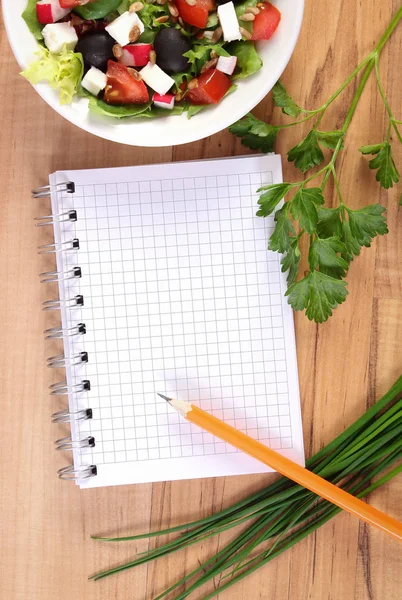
(284, 511)
(337, 234)
(62, 71)
(200, 54)
(98, 9)
(31, 19)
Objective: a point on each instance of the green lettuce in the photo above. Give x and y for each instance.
(30, 17)
(132, 110)
(62, 71)
(241, 9)
(248, 59)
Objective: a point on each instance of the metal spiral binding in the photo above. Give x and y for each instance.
(73, 244)
(65, 416)
(44, 190)
(60, 361)
(69, 303)
(71, 474)
(61, 388)
(55, 333)
(54, 276)
(70, 215)
(66, 443)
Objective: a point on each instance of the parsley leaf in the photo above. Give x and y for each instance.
(307, 153)
(330, 139)
(318, 294)
(365, 223)
(284, 231)
(271, 197)
(387, 173)
(324, 254)
(255, 134)
(303, 207)
(329, 222)
(291, 260)
(283, 100)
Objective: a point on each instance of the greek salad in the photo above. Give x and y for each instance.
(147, 58)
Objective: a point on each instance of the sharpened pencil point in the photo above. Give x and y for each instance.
(164, 397)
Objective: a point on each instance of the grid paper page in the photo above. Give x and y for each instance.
(182, 297)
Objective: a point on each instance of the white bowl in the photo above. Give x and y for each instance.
(168, 131)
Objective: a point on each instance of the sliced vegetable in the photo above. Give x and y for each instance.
(165, 101)
(50, 11)
(196, 14)
(136, 55)
(266, 22)
(122, 87)
(212, 86)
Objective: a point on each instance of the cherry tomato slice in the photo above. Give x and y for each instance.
(266, 22)
(212, 86)
(122, 88)
(196, 15)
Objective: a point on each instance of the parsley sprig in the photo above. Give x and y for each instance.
(336, 235)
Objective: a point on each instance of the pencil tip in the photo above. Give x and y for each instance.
(164, 397)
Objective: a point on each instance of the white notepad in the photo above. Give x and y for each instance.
(182, 297)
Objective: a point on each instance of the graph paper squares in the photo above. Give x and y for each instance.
(182, 297)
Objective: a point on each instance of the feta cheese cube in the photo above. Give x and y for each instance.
(165, 101)
(58, 35)
(157, 79)
(227, 64)
(94, 81)
(121, 27)
(229, 23)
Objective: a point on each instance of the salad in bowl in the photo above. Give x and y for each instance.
(153, 58)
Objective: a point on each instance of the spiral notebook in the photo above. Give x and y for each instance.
(166, 285)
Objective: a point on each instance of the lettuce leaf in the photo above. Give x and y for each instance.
(62, 71)
(31, 19)
(132, 110)
(241, 9)
(248, 59)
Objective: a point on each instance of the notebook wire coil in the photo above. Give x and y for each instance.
(68, 303)
(76, 360)
(55, 333)
(71, 474)
(61, 388)
(73, 244)
(70, 215)
(55, 276)
(65, 416)
(60, 361)
(44, 191)
(66, 443)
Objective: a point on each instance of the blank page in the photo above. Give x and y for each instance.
(182, 297)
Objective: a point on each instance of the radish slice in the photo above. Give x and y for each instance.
(163, 100)
(136, 55)
(50, 11)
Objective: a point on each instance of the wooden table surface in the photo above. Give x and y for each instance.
(344, 364)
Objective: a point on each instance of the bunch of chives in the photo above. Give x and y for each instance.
(284, 511)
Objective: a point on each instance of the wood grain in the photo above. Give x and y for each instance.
(344, 364)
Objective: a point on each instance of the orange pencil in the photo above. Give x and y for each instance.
(287, 467)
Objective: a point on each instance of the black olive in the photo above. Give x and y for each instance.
(96, 49)
(170, 45)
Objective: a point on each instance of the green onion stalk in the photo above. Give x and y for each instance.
(361, 459)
